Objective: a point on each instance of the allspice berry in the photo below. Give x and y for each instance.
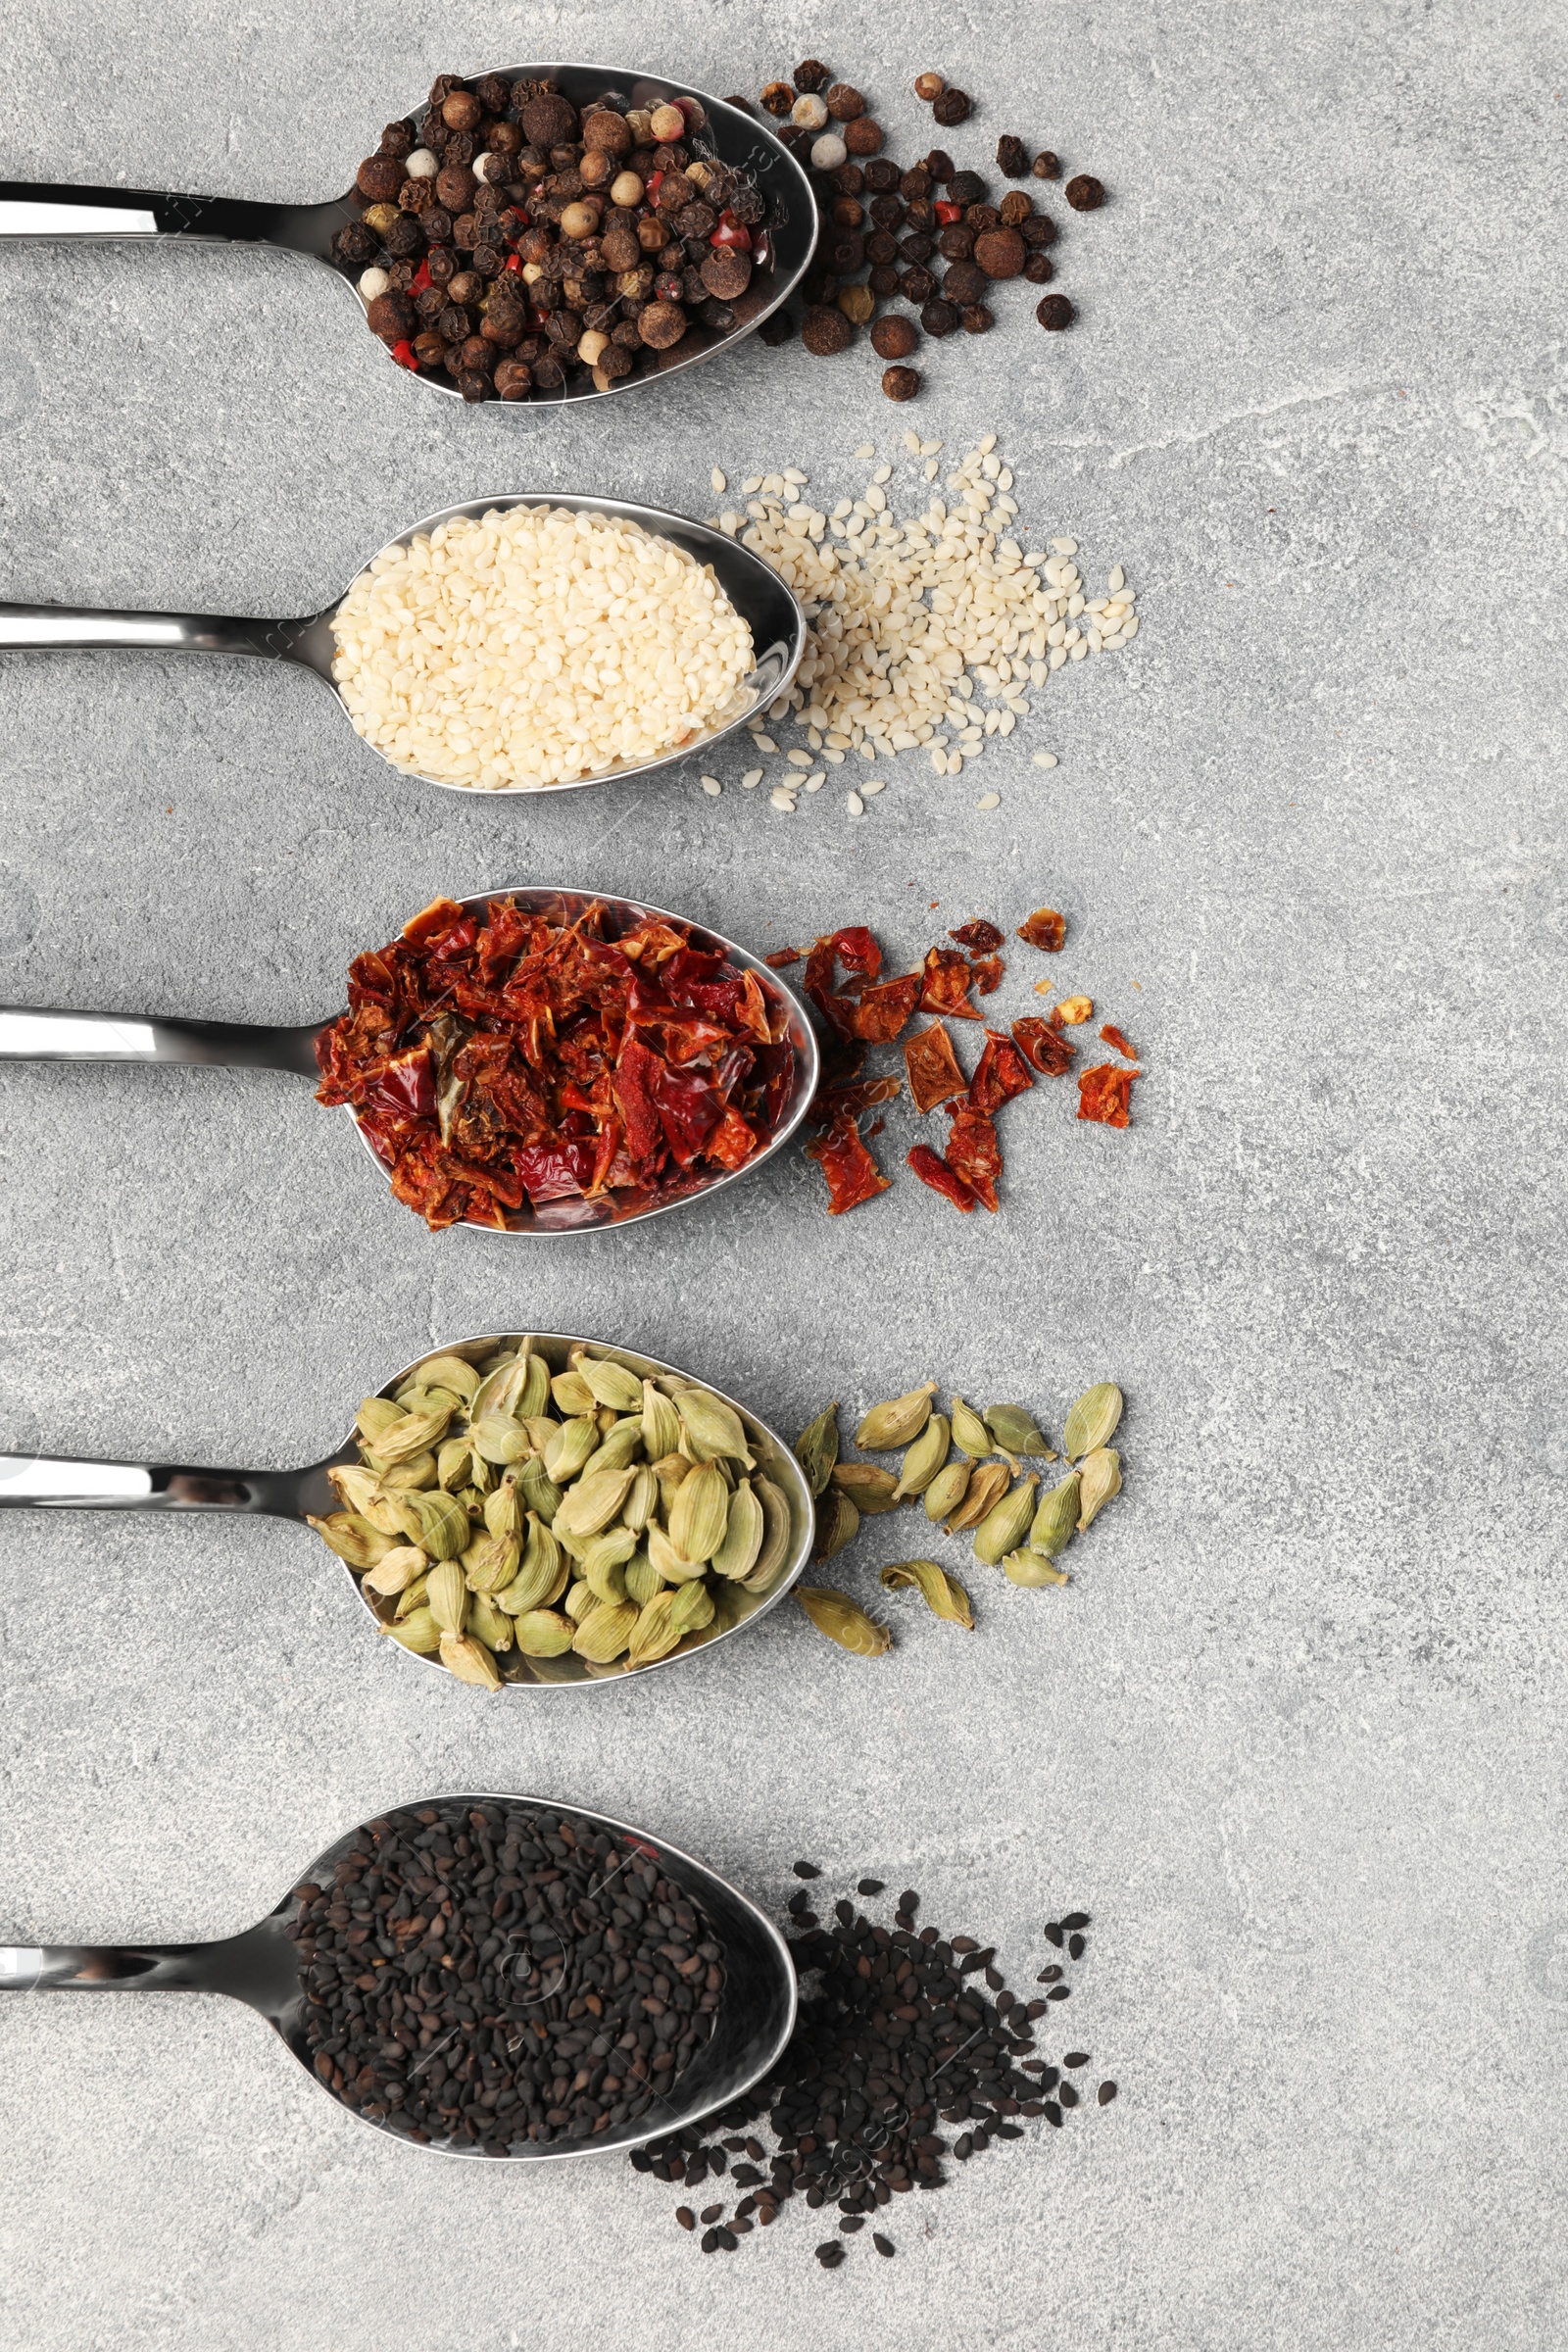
(661, 324)
(977, 319)
(826, 332)
(379, 177)
(901, 383)
(863, 136)
(514, 381)
(845, 102)
(1085, 194)
(727, 273)
(951, 106)
(893, 338)
(455, 186)
(549, 120)
(1054, 312)
(461, 111)
(1000, 253)
(392, 317)
(929, 86)
(605, 133)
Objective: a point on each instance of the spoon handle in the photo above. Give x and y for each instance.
(44, 209)
(82, 628)
(39, 1035)
(100, 1967)
(66, 1482)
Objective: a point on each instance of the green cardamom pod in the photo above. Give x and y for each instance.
(834, 1613)
(672, 1565)
(413, 1597)
(571, 1544)
(816, 1449)
(777, 1536)
(969, 1433)
(924, 1459)
(469, 1661)
(396, 1571)
(592, 1503)
(418, 1633)
(354, 1539)
(744, 1530)
(438, 1522)
(897, 1422)
(642, 1578)
(642, 1499)
(661, 1423)
(543, 1633)
(377, 1418)
(573, 1394)
(541, 1570)
(691, 1607)
(620, 1445)
(487, 1623)
(541, 1427)
(491, 1562)
(538, 1490)
(1100, 1473)
(607, 1629)
(418, 1430)
(671, 1471)
(406, 1478)
(1004, 1523)
(872, 1489)
(699, 1513)
(451, 1372)
(1093, 1421)
(363, 1493)
(611, 1384)
(1055, 1519)
(947, 1488)
(580, 1598)
(497, 1441)
(447, 1595)
(711, 1428)
(838, 1522)
(943, 1595)
(569, 1449)
(988, 1483)
(452, 1462)
(653, 1637)
(1014, 1431)
(503, 1511)
(1032, 1568)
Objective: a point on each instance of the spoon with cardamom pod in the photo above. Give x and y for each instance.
(522, 1509)
(399, 2057)
(460, 202)
(414, 1107)
(315, 642)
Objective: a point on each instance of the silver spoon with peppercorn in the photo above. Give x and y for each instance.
(539, 234)
(764, 604)
(270, 1968)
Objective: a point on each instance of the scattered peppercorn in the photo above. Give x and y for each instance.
(1085, 194)
(929, 86)
(1054, 312)
(950, 107)
(894, 338)
(810, 75)
(1045, 166)
(977, 319)
(1013, 157)
(826, 332)
(778, 98)
(901, 383)
(938, 318)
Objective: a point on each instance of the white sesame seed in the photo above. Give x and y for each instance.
(987, 444)
(854, 803)
(718, 480)
(883, 473)
(1118, 582)
(783, 801)
(873, 785)
(1045, 758)
(763, 742)
(911, 442)
(989, 799)
(868, 449)
(814, 783)
(1064, 547)
(954, 764)
(836, 757)
(792, 473)
(751, 780)
(711, 786)
(752, 484)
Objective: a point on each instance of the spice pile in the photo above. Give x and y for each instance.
(534, 646)
(489, 1978)
(928, 237)
(906, 618)
(901, 2030)
(493, 1058)
(503, 1517)
(1013, 1525)
(509, 242)
(861, 1011)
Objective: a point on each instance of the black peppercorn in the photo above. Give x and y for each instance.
(356, 244)
(849, 179)
(845, 102)
(921, 215)
(882, 176)
(967, 187)
(1016, 209)
(941, 166)
(397, 139)
(950, 107)
(957, 243)
(431, 303)
(466, 285)
(455, 323)
(848, 214)
(887, 211)
(697, 221)
(457, 149)
(473, 384)
(979, 217)
(1013, 157)
(916, 248)
(514, 381)
(437, 225)
(747, 206)
(813, 74)
(846, 254)
(696, 289)
(417, 196)
(719, 316)
(429, 350)
(938, 318)
(1045, 166)
(917, 285)
(901, 383)
(964, 283)
(547, 373)
(977, 319)
(1040, 269)
(442, 265)
(777, 99)
(915, 182)
(1054, 312)
(404, 237)
(1038, 231)
(883, 280)
(1085, 194)
(776, 329)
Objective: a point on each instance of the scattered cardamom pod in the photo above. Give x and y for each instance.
(948, 1489)
(988, 1483)
(1004, 1523)
(896, 1423)
(1093, 1421)
(872, 1489)
(1032, 1568)
(838, 1523)
(1014, 1431)
(924, 1459)
(969, 1432)
(816, 1449)
(1055, 1519)
(943, 1595)
(1100, 1473)
(842, 1621)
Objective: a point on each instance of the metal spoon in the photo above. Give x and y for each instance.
(261, 1968)
(41, 1035)
(768, 607)
(39, 209)
(68, 1482)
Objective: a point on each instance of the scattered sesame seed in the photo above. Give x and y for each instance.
(854, 803)
(784, 802)
(711, 786)
(883, 473)
(764, 743)
(989, 799)
(988, 444)
(817, 782)
(1118, 582)
(873, 785)
(868, 449)
(799, 759)
(717, 479)
(1064, 547)
(751, 780)
(1045, 758)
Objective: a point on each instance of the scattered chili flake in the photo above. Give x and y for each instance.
(882, 1011)
(1073, 1011)
(933, 1067)
(1104, 1094)
(1045, 929)
(973, 1152)
(986, 972)
(781, 958)
(979, 937)
(1043, 1042)
(1001, 1074)
(851, 1174)
(940, 1178)
(834, 1101)
(497, 1058)
(946, 985)
(1114, 1038)
(857, 951)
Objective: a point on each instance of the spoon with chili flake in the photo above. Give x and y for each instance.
(768, 607)
(70, 1483)
(35, 209)
(28, 1034)
(263, 1969)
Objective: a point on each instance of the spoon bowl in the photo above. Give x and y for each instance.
(60, 1483)
(34, 210)
(261, 1968)
(770, 609)
(47, 1036)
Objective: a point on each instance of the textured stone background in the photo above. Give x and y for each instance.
(1294, 1736)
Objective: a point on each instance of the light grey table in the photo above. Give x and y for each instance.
(1294, 1735)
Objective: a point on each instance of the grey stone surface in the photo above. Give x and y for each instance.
(1295, 1732)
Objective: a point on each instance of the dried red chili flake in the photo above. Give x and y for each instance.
(830, 1102)
(1045, 929)
(986, 972)
(973, 1152)
(933, 1067)
(979, 937)
(946, 985)
(495, 1056)
(857, 951)
(852, 1175)
(1050, 1051)
(1104, 1094)
(860, 957)
(882, 1011)
(782, 957)
(1001, 1074)
(1117, 1041)
(940, 1178)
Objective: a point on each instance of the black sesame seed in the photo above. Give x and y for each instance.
(807, 1870)
(1106, 2093)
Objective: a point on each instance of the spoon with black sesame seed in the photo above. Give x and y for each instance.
(491, 1976)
